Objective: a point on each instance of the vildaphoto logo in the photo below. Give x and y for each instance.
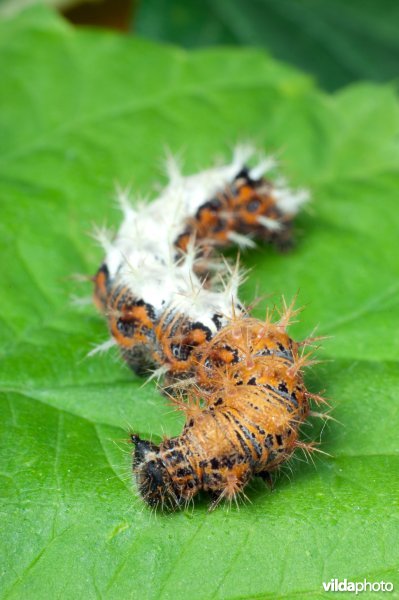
(335, 585)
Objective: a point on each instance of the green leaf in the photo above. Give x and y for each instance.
(81, 110)
(335, 40)
(9, 8)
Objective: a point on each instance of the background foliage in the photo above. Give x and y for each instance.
(81, 110)
(335, 40)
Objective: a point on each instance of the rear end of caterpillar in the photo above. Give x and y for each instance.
(245, 207)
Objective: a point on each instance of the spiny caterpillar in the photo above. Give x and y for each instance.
(171, 305)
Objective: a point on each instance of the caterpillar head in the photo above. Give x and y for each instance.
(153, 479)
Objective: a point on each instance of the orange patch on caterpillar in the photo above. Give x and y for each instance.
(244, 207)
(131, 321)
(179, 341)
(101, 288)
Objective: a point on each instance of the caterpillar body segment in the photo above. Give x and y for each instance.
(253, 407)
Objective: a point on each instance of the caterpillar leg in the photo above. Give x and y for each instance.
(232, 485)
(267, 478)
(216, 498)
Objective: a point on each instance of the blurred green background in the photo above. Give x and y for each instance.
(336, 41)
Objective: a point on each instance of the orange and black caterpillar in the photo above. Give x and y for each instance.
(172, 307)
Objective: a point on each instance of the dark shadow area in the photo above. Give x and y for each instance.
(112, 14)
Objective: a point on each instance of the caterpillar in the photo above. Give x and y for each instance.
(171, 303)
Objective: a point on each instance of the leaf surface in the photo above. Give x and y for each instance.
(81, 110)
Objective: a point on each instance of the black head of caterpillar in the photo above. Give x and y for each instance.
(153, 479)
